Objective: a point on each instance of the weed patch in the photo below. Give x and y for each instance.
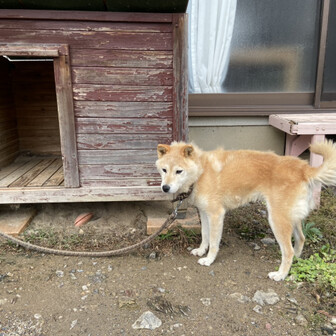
(319, 268)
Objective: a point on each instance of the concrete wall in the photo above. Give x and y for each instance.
(236, 133)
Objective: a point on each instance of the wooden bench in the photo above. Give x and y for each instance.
(302, 130)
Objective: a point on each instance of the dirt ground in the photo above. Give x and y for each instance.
(56, 295)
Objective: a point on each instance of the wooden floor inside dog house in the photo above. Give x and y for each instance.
(27, 171)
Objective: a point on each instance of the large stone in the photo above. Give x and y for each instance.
(147, 321)
(263, 298)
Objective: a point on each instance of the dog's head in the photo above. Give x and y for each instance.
(178, 165)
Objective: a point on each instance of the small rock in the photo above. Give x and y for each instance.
(206, 301)
(327, 329)
(268, 326)
(257, 309)
(109, 268)
(301, 320)
(240, 297)
(212, 273)
(175, 326)
(60, 274)
(292, 300)
(263, 298)
(256, 247)
(37, 316)
(73, 323)
(147, 321)
(268, 241)
(153, 255)
(263, 213)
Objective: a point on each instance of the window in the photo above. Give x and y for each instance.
(276, 60)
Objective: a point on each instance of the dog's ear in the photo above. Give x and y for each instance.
(162, 150)
(187, 150)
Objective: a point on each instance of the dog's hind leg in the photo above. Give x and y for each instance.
(282, 229)
(216, 223)
(299, 239)
(205, 236)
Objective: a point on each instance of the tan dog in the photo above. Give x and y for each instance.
(224, 180)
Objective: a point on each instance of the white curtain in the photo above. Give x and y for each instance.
(210, 32)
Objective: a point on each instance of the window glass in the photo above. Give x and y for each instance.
(329, 75)
(274, 46)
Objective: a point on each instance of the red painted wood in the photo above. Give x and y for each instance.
(135, 27)
(108, 109)
(104, 172)
(122, 58)
(122, 93)
(117, 157)
(130, 126)
(84, 16)
(121, 141)
(95, 40)
(122, 76)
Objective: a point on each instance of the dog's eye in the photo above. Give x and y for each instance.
(164, 170)
(180, 171)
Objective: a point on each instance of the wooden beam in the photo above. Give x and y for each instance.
(180, 66)
(84, 15)
(66, 120)
(82, 194)
(32, 49)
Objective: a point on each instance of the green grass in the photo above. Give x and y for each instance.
(319, 268)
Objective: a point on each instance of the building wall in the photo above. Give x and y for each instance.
(236, 133)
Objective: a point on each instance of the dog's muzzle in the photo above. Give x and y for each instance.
(166, 188)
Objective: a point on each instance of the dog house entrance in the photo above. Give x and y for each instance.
(36, 152)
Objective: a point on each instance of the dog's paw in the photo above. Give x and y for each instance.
(277, 276)
(205, 261)
(198, 252)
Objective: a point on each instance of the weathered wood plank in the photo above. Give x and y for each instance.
(67, 26)
(121, 141)
(14, 50)
(9, 144)
(10, 178)
(134, 182)
(105, 172)
(123, 58)
(56, 179)
(24, 179)
(13, 222)
(180, 92)
(84, 39)
(66, 121)
(84, 16)
(83, 194)
(115, 125)
(122, 93)
(41, 178)
(123, 109)
(5, 171)
(122, 76)
(122, 157)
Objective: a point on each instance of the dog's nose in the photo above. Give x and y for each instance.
(165, 188)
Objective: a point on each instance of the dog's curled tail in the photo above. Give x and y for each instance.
(326, 173)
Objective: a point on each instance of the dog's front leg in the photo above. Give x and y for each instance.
(205, 236)
(216, 222)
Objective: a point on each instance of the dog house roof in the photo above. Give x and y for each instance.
(149, 6)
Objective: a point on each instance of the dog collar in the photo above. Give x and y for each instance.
(183, 196)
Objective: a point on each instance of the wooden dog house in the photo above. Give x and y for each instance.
(85, 97)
